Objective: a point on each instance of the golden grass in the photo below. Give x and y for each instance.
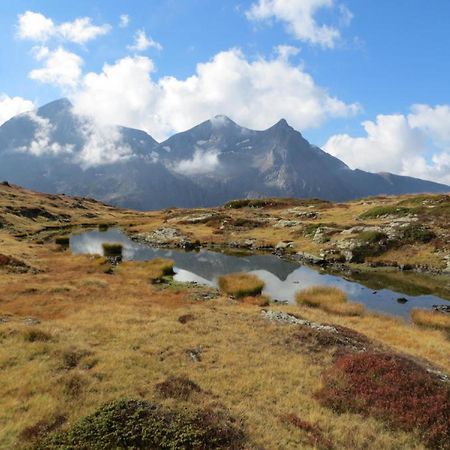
(344, 309)
(431, 319)
(330, 299)
(153, 269)
(108, 336)
(241, 284)
(317, 296)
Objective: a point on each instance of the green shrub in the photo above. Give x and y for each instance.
(372, 237)
(112, 249)
(138, 424)
(417, 233)
(379, 211)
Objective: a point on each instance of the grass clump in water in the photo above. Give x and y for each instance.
(241, 284)
(154, 269)
(103, 227)
(431, 319)
(112, 249)
(126, 424)
(330, 299)
(63, 241)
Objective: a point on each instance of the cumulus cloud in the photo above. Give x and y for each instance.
(417, 144)
(42, 143)
(61, 67)
(254, 93)
(37, 27)
(103, 144)
(11, 106)
(143, 42)
(124, 20)
(299, 17)
(202, 162)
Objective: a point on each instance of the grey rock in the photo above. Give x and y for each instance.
(31, 321)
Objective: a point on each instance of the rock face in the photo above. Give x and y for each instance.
(205, 166)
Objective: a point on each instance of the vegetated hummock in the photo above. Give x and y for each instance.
(330, 299)
(94, 353)
(241, 284)
(112, 249)
(432, 319)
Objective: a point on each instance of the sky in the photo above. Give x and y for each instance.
(365, 80)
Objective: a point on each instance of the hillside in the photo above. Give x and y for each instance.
(214, 162)
(78, 331)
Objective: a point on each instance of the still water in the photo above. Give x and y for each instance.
(283, 279)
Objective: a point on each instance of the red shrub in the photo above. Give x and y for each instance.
(391, 388)
(315, 434)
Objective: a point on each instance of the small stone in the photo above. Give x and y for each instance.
(442, 308)
(402, 300)
(31, 321)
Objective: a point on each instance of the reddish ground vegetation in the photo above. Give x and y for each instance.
(12, 264)
(315, 434)
(390, 388)
(180, 388)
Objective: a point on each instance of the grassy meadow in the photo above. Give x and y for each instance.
(83, 342)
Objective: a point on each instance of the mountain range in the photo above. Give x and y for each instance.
(54, 150)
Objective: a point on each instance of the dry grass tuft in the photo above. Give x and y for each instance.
(179, 388)
(154, 269)
(241, 284)
(36, 335)
(431, 319)
(330, 299)
(345, 309)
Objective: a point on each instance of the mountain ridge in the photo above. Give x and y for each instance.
(209, 164)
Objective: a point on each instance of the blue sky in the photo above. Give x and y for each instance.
(385, 63)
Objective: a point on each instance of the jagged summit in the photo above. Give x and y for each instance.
(209, 164)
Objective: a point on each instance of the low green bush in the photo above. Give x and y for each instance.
(379, 211)
(139, 424)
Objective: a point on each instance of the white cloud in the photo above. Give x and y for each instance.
(299, 16)
(42, 141)
(61, 68)
(37, 27)
(81, 30)
(202, 162)
(254, 93)
(124, 20)
(143, 42)
(416, 145)
(103, 144)
(11, 106)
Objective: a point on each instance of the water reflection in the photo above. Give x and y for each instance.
(283, 279)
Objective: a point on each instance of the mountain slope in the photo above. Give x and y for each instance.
(54, 150)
